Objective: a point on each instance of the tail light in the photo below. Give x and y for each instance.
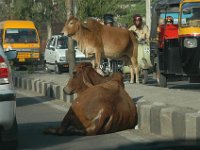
(4, 71)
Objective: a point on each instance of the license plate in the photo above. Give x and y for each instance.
(65, 66)
(22, 60)
(22, 55)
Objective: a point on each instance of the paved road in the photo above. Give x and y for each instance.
(35, 112)
(173, 112)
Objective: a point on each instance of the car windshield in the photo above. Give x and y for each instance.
(174, 15)
(190, 15)
(21, 36)
(62, 42)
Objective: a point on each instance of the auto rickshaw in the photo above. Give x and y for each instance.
(174, 49)
(189, 38)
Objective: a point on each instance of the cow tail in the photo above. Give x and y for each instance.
(134, 40)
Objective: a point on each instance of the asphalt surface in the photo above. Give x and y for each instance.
(36, 112)
(172, 112)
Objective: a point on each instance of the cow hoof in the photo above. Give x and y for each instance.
(137, 82)
(49, 131)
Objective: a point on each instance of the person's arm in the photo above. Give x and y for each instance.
(132, 28)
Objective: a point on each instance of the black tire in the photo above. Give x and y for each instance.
(46, 68)
(12, 133)
(57, 69)
(163, 80)
(144, 76)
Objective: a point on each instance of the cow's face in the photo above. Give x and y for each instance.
(71, 26)
(75, 83)
(79, 81)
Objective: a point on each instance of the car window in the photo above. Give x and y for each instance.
(62, 42)
(51, 43)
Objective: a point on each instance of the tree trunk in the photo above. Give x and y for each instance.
(70, 54)
(49, 30)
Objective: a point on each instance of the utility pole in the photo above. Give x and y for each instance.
(148, 13)
(70, 53)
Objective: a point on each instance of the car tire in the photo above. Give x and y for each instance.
(46, 68)
(5, 142)
(57, 69)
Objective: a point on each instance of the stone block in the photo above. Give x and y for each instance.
(193, 125)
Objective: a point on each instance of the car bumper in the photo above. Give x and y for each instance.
(7, 110)
(63, 66)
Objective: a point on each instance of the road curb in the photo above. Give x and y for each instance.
(157, 118)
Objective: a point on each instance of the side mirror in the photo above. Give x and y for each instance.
(187, 11)
(11, 54)
(51, 47)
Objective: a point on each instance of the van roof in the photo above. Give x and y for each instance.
(190, 1)
(17, 24)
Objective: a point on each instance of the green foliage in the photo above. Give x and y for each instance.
(97, 8)
(123, 10)
(132, 9)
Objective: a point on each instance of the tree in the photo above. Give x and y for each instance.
(39, 11)
(6, 9)
(70, 54)
(47, 12)
(94, 8)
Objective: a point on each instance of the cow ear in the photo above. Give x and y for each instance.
(85, 25)
(86, 80)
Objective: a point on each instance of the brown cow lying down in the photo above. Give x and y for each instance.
(102, 105)
(95, 39)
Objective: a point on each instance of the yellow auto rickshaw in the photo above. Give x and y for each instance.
(189, 38)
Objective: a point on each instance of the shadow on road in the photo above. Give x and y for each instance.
(179, 84)
(32, 136)
(25, 101)
(164, 145)
(185, 86)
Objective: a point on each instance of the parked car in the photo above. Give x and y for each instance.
(8, 122)
(55, 54)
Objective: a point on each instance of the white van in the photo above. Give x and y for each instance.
(55, 54)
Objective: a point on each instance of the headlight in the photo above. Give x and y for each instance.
(62, 59)
(190, 42)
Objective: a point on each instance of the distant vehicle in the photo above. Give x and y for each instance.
(23, 37)
(8, 122)
(174, 48)
(55, 54)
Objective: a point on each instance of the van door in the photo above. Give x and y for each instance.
(50, 52)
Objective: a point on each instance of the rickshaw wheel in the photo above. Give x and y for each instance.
(163, 80)
(144, 76)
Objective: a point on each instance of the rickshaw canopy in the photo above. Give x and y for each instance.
(162, 6)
